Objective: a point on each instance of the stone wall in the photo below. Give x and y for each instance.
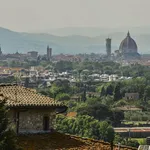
(131, 96)
(31, 120)
(12, 119)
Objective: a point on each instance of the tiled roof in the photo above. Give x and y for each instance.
(19, 96)
(72, 114)
(60, 141)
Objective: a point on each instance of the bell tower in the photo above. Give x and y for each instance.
(108, 47)
(0, 51)
(49, 53)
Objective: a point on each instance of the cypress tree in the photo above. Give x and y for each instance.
(117, 94)
(103, 92)
(109, 90)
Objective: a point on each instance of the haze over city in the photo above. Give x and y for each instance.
(44, 15)
(74, 74)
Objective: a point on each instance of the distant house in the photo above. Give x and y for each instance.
(33, 54)
(30, 112)
(131, 96)
(113, 77)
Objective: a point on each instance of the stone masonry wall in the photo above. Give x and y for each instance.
(31, 121)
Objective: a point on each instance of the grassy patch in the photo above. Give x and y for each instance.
(141, 141)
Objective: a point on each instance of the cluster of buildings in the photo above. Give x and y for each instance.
(46, 77)
(107, 77)
(34, 55)
(39, 76)
(127, 54)
(31, 55)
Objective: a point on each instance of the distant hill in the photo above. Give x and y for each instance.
(97, 31)
(23, 42)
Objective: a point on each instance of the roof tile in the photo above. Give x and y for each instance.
(17, 95)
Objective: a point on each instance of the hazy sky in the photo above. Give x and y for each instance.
(34, 15)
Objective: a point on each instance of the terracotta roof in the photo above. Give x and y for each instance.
(19, 96)
(60, 141)
(72, 114)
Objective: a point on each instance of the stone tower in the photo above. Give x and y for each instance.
(0, 51)
(108, 47)
(49, 53)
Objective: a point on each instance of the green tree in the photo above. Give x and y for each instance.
(95, 109)
(85, 126)
(62, 96)
(109, 90)
(54, 90)
(62, 66)
(107, 132)
(125, 141)
(7, 135)
(83, 96)
(118, 116)
(103, 91)
(146, 93)
(117, 94)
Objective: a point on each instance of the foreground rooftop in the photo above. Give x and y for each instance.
(19, 96)
(60, 141)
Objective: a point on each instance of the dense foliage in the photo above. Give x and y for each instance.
(96, 103)
(85, 126)
(7, 135)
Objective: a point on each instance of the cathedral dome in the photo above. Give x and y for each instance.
(128, 45)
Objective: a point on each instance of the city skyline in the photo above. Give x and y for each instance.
(30, 16)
